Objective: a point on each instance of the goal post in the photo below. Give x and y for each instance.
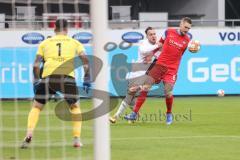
(99, 20)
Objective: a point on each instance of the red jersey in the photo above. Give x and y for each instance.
(174, 46)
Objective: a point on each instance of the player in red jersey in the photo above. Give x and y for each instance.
(174, 44)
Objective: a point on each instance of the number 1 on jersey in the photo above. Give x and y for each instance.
(59, 48)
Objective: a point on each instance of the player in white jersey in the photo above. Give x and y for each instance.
(148, 49)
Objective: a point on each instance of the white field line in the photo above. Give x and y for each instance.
(87, 141)
(175, 137)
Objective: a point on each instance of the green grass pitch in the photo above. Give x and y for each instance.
(205, 128)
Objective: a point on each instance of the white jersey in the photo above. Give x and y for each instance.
(145, 49)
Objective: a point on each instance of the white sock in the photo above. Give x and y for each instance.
(121, 109)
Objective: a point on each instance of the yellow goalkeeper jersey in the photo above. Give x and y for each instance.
(58, 53)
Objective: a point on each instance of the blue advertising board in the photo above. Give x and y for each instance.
(214, 67)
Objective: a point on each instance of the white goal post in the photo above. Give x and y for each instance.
(99, 26)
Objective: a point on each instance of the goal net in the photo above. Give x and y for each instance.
(26, 24)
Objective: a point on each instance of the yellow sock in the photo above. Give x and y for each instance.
(33, 118)
(77, 123)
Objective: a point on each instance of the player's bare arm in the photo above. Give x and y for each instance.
(153, 53)
(85, 62)
(159, 44)
(87, 78)
(36, 67)
(158, 49)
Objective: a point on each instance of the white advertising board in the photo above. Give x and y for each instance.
(207, 36)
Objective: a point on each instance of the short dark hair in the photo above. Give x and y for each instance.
(60, 25)
(187, 19)
(148, 28)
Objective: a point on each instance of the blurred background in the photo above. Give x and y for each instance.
(122, 13)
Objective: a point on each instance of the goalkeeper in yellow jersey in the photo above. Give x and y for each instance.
(58, 54)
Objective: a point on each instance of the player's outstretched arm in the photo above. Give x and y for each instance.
(147, 49)
(151, 52)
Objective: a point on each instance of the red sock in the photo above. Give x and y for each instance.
(169, 102)
(140, 100)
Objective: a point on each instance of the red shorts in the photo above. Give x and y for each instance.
(162, 73)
